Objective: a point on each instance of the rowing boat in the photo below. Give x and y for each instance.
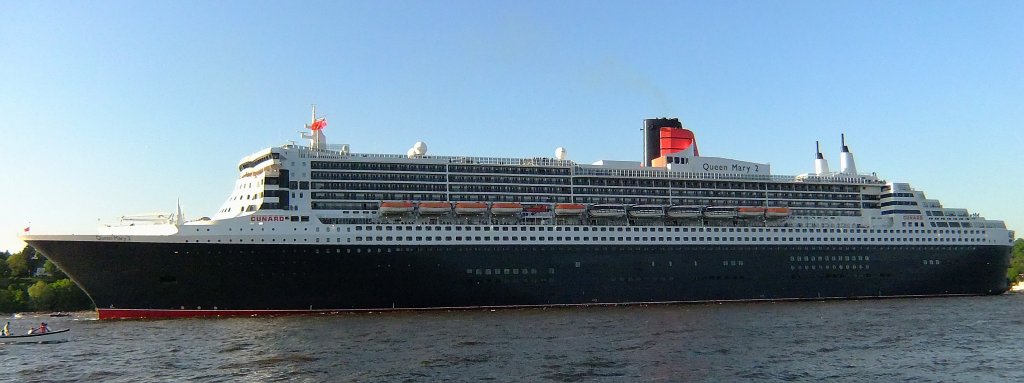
(46, 337)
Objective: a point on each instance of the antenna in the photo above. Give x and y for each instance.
(179, 218)
(842, 138)
(817, 149)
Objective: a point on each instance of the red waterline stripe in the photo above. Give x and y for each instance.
(160, 314)
(163, 314)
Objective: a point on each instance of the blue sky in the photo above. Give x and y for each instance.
(121, 107)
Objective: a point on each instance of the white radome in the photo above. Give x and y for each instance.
(560, 153)
(411, 153)
(420, 147)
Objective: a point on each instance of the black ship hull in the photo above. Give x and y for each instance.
(133, 279)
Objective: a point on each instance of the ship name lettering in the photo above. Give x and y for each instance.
(740, 168)
(113, 238)
(268, 218)
(709, 167)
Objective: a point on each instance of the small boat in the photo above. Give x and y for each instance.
(395, 207)
(750, 212)
(569, 209)
(680, 211)
(506, 208)
(777, 212)
(538, 209)
(435, 207)
(466, 208)
(720, 212)
(46, 337)
(647, 211)
(607, 211)
(59, 314)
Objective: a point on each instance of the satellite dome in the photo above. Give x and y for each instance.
(560, 153)
(420, 147)
(411, 153)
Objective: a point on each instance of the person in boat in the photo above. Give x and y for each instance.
(41, 330)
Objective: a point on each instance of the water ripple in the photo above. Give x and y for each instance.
(912, 340)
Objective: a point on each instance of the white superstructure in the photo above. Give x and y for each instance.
(321, 193)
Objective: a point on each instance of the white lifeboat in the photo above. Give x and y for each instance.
(395, 207)
(506, 208)
(466, 208)
(680, 211)
(435, 207)
(607, 211)
(647, 211)
(569, 209)
(720, 212)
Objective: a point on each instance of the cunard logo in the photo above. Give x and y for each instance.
(268, 218)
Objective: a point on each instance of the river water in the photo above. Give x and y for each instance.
(966, 339)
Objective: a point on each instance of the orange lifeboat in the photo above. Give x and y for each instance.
(777, 212)
(538, 209)
(506, 208)
(750, 212)
(435, 207)
(470, 207)
(570, 209)
(395, 207)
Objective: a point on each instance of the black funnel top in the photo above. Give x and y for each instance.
(652, 136)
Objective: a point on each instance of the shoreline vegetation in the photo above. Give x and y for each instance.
(1016, 271)
(31, 283)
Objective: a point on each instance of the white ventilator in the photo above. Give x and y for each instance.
(820, 164)
(846, 165)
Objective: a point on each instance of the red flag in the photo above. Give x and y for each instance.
(318, 124)
(26, 229)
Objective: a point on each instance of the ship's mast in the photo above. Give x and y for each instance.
(315, 140)
(316, 136)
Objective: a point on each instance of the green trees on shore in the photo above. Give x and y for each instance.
(1017, 262)
(21, 289)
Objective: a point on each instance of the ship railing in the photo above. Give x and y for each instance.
(842, 178)
(580, 170)
(661, 173)
(312, 153)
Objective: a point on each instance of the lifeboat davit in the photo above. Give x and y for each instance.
(395, 207)
(506, 208)
(607, 211)
(435, 207)
(777, 212)
(470, 207)
(720, 212)
(684, 211)
(647, 211)
(569, 209)
(750, 212)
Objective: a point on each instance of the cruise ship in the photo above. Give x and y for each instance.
(317, 228)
